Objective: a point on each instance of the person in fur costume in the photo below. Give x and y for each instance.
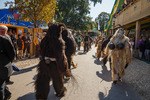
(120, 52)
(99, 46)
(104, 44)
(99, 37)
(52, 65)
(69, 47)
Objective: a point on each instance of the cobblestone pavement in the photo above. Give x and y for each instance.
(138, 76)
(26, 62)
(91, 81)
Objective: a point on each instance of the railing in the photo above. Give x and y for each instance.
(133, 12)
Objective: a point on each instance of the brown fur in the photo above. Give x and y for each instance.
(119, 58)
(72, 62)
(99, 46)
(51, 46)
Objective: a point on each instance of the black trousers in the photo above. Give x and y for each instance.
(26, 48)
(4, 91)
(86, 48)
(79, 45)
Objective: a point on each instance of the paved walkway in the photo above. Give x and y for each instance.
(92, 82)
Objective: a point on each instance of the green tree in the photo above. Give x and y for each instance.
(74, 13)
(35, 11)
(102, 20)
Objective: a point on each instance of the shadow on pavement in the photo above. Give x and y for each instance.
(31, 96)
(81, 53)
(105, 75)
(94, 56)
(120, 91)
(98, 62)
(24, 70)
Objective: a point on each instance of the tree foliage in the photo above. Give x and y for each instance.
(101, 20)
(36, 11)
(74, 13)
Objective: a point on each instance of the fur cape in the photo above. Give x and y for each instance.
(119, 58)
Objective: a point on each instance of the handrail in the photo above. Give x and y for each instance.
(129, 5)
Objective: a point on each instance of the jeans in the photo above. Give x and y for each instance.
(140, 54)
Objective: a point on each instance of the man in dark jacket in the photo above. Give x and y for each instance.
(7, 54)
(20, 45)
(27, 41)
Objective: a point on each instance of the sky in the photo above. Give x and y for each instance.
(105, 6)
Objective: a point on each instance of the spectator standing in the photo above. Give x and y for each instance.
(24, 38)
(132, 45)
(79, 42)
(28, 45)
(36, 43)
(20, 45)
(7, 54)
(141, 48)
(147, 50)
(14, 41)
(86, 43)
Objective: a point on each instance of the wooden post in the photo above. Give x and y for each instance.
(137, 36)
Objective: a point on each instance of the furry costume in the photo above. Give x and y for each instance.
(86, 43)
(53, 47)
(99, 47)
(69, 47)
(103, 49)
(119, 58)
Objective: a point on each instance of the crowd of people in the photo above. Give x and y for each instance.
(22, 44)
(85, 41)
(143, 47)
(13, 47)
(56, 50)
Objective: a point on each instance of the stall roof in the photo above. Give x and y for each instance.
(13, 25)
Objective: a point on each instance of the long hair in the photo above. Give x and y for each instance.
(53, 45)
